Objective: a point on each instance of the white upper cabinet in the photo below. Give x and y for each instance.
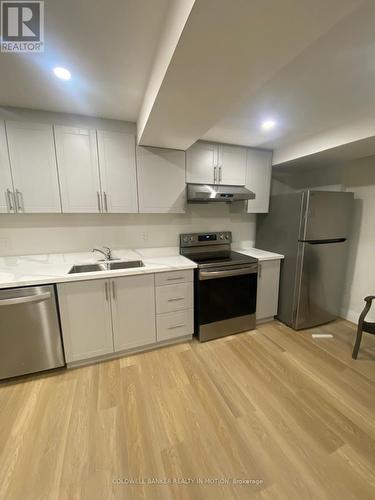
(161, 180)
(118, 171)
(258, 179)
(231, 165)
(77, 160)
(7, 201)
(133, 311)
(208, 163)
(201, 163)
(33, 165)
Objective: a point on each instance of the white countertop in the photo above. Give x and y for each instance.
(259, 254)
(25, 270)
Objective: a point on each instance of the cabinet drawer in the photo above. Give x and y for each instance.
(171, 277)
(174, 325)
(174, 297)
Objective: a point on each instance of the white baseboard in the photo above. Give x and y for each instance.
(353, 316)
(350, 315)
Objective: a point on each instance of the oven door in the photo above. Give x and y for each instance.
(226, 300)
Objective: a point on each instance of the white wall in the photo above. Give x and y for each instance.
(47, 233)
(32, 234)
(357, 176)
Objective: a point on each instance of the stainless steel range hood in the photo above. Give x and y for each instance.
(207, 193)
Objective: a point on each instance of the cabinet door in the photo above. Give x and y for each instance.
(161, 180)
(117, 171)
(232, 165)
(133, 311)
(85, 319)
(201, 161)
(7, 202)
(258, 179)
(33, 164)
(77, 161)
(268, 289)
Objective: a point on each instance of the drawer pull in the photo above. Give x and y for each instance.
(175, 299)
(175, 279)
(176, 326)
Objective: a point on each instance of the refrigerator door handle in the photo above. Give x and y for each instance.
(324, 242)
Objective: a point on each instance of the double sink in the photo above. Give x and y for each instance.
(105, 266)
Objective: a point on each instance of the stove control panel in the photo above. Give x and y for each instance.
(198, 239)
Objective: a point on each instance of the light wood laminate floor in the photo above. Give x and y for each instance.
(271, 405)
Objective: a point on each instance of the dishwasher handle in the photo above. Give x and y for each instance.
(24, 300)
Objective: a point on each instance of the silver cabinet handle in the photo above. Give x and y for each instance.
(99, 201)
(176, 299)
(175, 279)
(260, 270)
(220, 174)
(113, 290)
(11, 204)
(23, 300)
(215, 175)
(176, 326)
(106, 291)
(105, 202)
(19, 201)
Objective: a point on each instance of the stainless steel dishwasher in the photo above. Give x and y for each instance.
(30, 338)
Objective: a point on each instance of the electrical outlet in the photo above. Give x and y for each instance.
(145, 236)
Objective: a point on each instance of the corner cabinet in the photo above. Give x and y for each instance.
(161, 180)
(268, 290)
(208, 163)
(258, 179)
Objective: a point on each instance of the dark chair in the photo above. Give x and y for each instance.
(364, 326)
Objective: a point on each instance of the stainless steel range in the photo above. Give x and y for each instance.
(225, 285)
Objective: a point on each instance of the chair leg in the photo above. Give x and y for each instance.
(357, 343)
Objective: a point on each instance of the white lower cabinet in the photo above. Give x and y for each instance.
(104, 316)
(133, 311)
(268, 289)
(175, 324)
(174, 305)
(174, 297)
(85, 312)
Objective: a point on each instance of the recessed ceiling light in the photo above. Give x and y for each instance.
(62, 73)
(268, 124)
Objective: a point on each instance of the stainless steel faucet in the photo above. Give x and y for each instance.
(107, 252)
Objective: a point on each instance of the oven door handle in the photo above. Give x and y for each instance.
(209, 275)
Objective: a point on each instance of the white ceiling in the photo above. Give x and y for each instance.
(227, 53)
(109, 47)
(324, 79)
(330, 84)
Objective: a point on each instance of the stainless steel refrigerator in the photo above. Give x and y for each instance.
(311, 228)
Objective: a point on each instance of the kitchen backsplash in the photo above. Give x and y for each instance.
(33, 234)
